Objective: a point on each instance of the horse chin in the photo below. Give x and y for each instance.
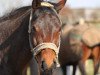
(47, 72)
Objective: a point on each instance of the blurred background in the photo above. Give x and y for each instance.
(74, 10)
(87, 10)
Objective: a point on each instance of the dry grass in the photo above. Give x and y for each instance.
(28, 71)
(89, 67)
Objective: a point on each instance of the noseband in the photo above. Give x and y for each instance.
(40, 47)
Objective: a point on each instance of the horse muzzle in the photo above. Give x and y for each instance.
(46, 70)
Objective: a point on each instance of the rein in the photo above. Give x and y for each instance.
(40, 47)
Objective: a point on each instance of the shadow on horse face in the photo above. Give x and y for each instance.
(44, 37)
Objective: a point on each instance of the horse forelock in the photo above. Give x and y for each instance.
(46, 20)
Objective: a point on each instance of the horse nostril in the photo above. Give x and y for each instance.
(54, 64)
(44, 66)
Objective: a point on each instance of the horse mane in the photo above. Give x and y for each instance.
(13, 24)
(13, 13)
(17, 16)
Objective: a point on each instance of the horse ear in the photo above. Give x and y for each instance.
(36, 3)
(58, 6)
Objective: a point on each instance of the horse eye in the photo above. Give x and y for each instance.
(33, 29)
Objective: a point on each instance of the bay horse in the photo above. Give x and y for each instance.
(30, 32)
(73, 50)
(91, 51)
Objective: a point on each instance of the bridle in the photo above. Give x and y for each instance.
(40, 47)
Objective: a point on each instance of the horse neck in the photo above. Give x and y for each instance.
(9, 24)
(14, 39)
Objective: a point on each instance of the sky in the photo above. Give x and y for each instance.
(84, 3)
(7, 6)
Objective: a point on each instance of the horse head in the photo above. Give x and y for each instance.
(44, 33)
